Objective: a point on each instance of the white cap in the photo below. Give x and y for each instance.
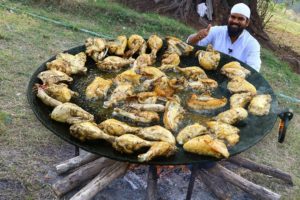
(242, 9)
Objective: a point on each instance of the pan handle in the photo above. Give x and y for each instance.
(285, 117)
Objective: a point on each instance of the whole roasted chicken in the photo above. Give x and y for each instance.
(70, 113)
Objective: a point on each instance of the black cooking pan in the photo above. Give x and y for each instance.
(252, 129)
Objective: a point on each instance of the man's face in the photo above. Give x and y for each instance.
(236, 24)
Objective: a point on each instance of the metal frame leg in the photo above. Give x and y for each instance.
(76, 150)
(191, 183)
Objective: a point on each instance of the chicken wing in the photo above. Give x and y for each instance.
(121, 92)
(208, 59)
(147, 107)
(240, 99)
(113, 63)
(260, 105)
(234, 69)
(98, 88)
(70, 113)
(177, 46)
(117, 47)
(232, 115)
(60, 92)
(128, 76)
(203, 85)
(156, 133)
(206, 145)
(158, 149)
(96, 48)
(49, 77)
(45, 98)
(136, 115)
(205, 102)
(239, 85)
(173, 114)
(224, 131)
(136, 43)
(117, 128)
(89, 131)
(190, 132)
(193, 73)
(129, 143)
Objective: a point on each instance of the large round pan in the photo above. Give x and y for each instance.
(252, 129)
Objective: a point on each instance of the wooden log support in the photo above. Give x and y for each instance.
(75, 162)
(215, 184)
(248, 164)
(108, 173)
(152, 183)
(257, 191)
(81, 175)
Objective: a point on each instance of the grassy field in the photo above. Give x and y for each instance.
(28, 150)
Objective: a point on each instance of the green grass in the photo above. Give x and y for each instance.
(26, 42)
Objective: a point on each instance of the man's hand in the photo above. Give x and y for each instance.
(193, 39)
(203, 32)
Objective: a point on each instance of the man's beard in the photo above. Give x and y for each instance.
(234, 31)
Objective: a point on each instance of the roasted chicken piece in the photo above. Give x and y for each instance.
(96, 48)
(129, 143)
(129, 77)
(147, 97)
(224, 131)
(117, 128)
(147, 107)
(49, 77)
(70, 113)
(206, 145)
(173, 114)
(234, 69)
(151, 74)
(190, 132)
(239, 85)
(118, 46)
(45, 98)
(98, 88)
(208, 59)
(158, 149)
(240, 99)
(163, 88)
(137, 115)
(203, 85)
(136, 43)
(169, 62)
(177, 46)
(155, 43)
(232, 115)
(156, 133)
(193, 73)
(143, 60)
(113, 63)
(121, 92)
(260, 105)
(69, 64)
(60, 92)
(205, 102)
(89, 131)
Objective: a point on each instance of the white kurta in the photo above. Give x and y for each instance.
(245, 48)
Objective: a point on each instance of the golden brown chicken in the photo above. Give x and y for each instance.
(147, 97)
(45, 98)
(239, 85)
(151, 74)
(189, 132)
(174, 113)
(89, 131)
(70, 113)
(169, 62)
(49, 77)
(208, 59)
(240, 99)
(203, 85)
(129, 143)
(158, 149)
(156, 133)
(147, 107)
(113, 63)
(118, 46)
(136, 43)
(163, 88)
(128, 77)
(120, 93)
(193, 73)
(234, 69)
(143, 60)
(206, 145)
(177, 46)
(117, 128)
(136, 115)
(96, 48)
(232, 115)
(155, 43)
(60, 92)
(224, 131)
(98, 88)
(260, 105)
(205, 102)
(69, 64)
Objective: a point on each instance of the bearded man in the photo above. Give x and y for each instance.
(232, 39)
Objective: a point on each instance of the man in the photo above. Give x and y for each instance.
(232, 39)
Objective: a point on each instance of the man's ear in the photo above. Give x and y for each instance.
(247, 22)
